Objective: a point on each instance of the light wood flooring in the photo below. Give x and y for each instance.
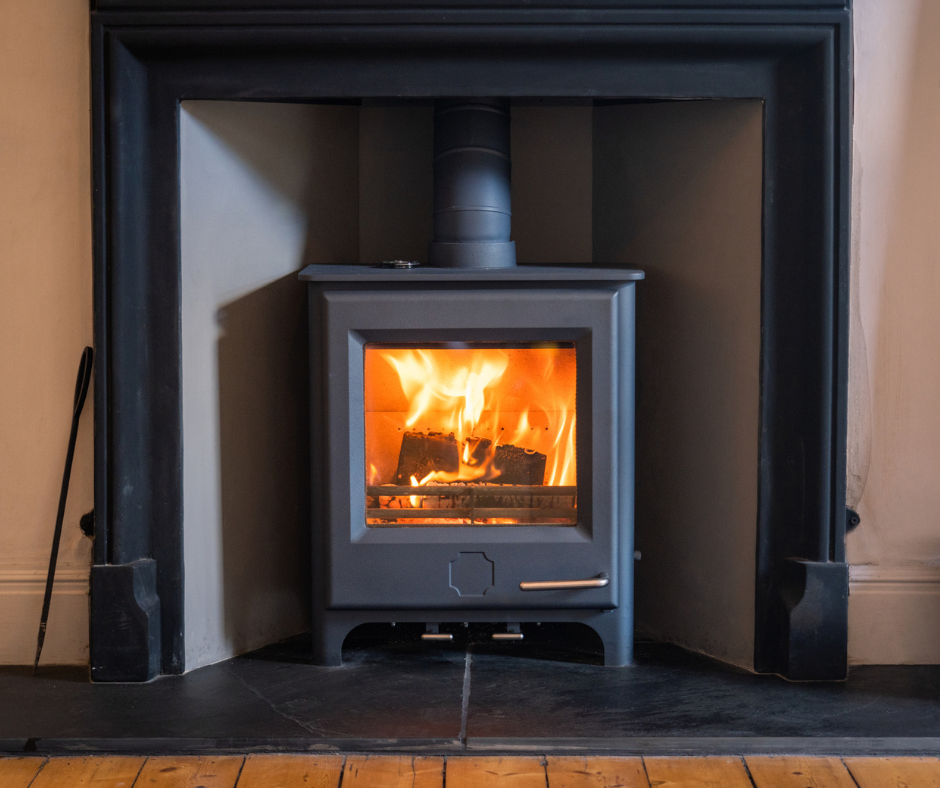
(393, 771)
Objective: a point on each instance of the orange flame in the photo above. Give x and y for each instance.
(461, 391)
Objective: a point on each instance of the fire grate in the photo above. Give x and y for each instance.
(502, 505)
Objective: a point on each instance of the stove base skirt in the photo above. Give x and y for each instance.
(614, 627)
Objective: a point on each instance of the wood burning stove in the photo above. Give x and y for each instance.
(472, 422)
(524, 506)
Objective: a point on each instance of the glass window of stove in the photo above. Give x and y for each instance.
(470, 434)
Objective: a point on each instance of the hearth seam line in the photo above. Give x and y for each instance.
(465, 702)
(270, 703)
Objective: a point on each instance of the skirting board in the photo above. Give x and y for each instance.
(894, 615)
(21, 592)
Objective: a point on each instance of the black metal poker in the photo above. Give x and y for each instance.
(81, 391)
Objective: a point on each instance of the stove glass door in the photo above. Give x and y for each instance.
(470, 434)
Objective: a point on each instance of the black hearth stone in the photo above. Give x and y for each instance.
(539, 696)
(399, 696)
(690, 703)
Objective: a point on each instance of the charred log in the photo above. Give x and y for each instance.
(424, 452)
(519, 466)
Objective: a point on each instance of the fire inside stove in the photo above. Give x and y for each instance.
(479, 434)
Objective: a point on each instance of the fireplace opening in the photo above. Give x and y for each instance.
(479, 434)
(267, 188)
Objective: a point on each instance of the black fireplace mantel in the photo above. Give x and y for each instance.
(148, 55)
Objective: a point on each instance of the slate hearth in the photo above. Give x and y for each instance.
(534, 697)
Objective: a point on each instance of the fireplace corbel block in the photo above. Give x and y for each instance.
(814, 597)
(125, 622)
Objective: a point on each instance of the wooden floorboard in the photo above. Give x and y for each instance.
(393, 771)
(19, 772)
(798, 772)
(708, 772)
(93, 771)
(405, 771)
(190, 772)
(895, 772)
(595, 772)
(495, 772)
(291, 771)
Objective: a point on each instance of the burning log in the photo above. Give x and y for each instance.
(477, 449)
(519, 466)
(424, 452)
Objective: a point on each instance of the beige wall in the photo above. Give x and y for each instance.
(45, 319)
(894, 425)
(894, 447)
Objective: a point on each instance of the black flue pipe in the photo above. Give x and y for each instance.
(472, 212)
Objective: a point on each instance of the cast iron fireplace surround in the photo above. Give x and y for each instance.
(149, 55)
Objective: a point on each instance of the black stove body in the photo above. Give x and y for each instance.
(569, 561)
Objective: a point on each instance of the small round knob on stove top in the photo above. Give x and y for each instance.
(400, 264)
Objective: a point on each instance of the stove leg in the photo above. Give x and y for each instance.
(616, 633)
(328, 637)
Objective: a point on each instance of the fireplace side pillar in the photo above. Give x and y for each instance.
(134, 465)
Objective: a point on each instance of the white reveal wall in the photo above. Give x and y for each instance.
(677, 193)
(265, 189)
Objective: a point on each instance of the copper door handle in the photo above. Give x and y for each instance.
(561, 585)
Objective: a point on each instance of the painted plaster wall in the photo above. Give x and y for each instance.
(45, 321)
(894, 424)
(264, 190)
(677, 193)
